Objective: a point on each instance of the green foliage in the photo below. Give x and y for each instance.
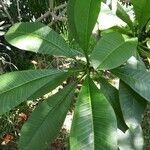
(17, 87)
(99, 110)
(112, 95)
(37, 37)
(132, 105)
(121, 13)
(111, 46)
(82, 17)
(93, 127)
(142, 11)
(138, 80)
(39, 125)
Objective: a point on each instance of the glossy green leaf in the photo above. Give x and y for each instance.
(138, 80)
(112, 95)
(39, 38)
(112, 50)
(121, 13)
(46, 88)
(82, 17)
(142, 11)
(132, 105)
(132, 139)
(17, 87)
(94, 123)
(46, 121)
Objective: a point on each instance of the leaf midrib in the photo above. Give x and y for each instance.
(29, 82)
(89, 91)
(108, 55)
(44, 39)
(51, 110)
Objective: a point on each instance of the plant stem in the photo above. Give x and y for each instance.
(18, 9)
(48, 13)
(88, 62)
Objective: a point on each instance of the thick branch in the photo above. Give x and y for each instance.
(60, 17)
(18, 9)
(48, 13)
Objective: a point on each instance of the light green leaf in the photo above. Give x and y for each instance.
(122, 30)
(148, 43)
(142, 11)
(112, 95)
(17, 87)
(46, 121)
(132, 105)
(94, 124)
(121, 13)
(82, 16)
(138, 80)
(112, 50)
(39, 38)
(132, 139)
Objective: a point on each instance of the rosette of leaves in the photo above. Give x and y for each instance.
(99, 110)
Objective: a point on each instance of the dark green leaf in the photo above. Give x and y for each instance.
(94, 124)
(46, 121)
(142, 11)
(36, 37)
(112, 95)
(82, 16)
(132, 105)
(138, 80)
(112, 50)
(121, 13)
(17, 87)
(46, 88)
